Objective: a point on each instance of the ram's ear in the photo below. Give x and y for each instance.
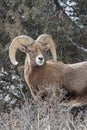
(47, 47)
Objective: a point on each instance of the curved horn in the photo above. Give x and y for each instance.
(46, 38)
(18, 43)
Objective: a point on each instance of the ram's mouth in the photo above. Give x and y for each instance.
(40, 62)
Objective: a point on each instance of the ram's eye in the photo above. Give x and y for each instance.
(30, 51)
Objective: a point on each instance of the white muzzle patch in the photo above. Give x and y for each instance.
(40, 60)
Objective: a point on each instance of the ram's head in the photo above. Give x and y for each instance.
(34, 49)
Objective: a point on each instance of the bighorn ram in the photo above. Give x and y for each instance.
(40, 73)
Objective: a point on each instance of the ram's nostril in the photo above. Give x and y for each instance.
(40, 58)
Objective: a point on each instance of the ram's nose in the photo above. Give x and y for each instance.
(40, 59)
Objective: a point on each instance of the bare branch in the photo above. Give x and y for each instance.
(81, 48)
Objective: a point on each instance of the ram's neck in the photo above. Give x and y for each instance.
(27, 72)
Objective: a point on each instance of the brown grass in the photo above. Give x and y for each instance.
(49, 115)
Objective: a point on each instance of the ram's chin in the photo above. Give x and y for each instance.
(40, 63)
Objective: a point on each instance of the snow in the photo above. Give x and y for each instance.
(7, 98)
(69, 9)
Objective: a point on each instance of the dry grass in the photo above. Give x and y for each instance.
(49, 115)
